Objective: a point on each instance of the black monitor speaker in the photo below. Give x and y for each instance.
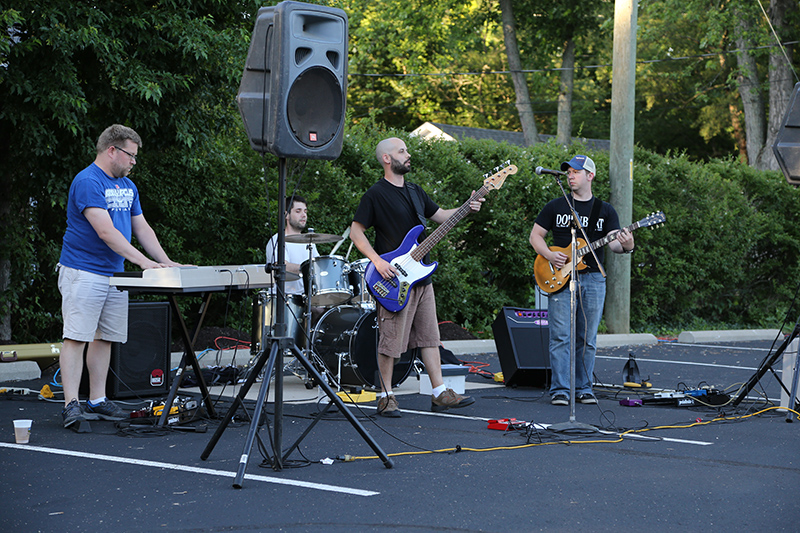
(140, 367)
(293, 90)
(522, 338)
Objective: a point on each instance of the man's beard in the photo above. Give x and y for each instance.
(399, 168)
(297, 225)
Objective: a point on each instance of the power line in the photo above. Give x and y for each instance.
(585, 67)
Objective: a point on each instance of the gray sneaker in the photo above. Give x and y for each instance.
(72, 413)
(107, 410)
(74, 417)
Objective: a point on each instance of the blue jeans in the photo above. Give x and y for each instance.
(590, 295)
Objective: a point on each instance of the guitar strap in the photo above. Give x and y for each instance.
(416, 201)
(591, 226)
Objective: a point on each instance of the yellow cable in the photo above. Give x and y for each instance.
(620, 439)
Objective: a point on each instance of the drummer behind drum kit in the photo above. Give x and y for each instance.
(344, 341)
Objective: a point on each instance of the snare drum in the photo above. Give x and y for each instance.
(361, 295)
(264, 311)
(325, 280)
(345, 338)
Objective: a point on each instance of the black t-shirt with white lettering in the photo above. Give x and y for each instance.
(556, 217)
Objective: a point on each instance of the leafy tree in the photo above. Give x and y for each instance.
(68, 70)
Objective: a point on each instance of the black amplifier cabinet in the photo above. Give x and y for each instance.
(522, 338)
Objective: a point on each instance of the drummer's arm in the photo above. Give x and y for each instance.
(359, 238)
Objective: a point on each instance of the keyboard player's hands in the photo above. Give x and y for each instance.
(153, 264)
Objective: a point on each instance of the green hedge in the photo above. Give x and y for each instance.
(726, 257)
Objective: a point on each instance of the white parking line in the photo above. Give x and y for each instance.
(689, 363)
(190, 469)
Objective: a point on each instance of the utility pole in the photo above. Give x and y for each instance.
(623, 92)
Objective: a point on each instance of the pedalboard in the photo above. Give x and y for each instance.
(687, 398)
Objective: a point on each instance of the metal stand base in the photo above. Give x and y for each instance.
(573, 427)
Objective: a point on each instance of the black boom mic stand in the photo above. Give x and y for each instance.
(278, 344)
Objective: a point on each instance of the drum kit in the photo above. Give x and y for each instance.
(335, 322)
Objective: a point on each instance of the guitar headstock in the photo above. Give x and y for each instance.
(653, 220)
(496, 180)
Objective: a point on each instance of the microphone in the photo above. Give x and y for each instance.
(540, 170)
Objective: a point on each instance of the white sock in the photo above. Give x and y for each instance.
(98, 401)
(438, 390)
(385, 394)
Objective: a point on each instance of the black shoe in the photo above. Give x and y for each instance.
(106, 410)
(586, 397)
(559, 399)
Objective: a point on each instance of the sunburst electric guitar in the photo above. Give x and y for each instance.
(551, 279)
(407, 258)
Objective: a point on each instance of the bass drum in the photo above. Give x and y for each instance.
(347, 335)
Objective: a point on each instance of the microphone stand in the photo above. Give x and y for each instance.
(573, 425)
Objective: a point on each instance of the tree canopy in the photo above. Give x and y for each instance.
(171, 69)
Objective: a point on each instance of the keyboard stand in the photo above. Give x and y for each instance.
(189, 356)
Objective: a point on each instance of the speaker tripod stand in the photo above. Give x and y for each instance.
(766, 365)
(278, 344)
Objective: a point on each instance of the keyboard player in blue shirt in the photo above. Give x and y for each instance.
(103, 212)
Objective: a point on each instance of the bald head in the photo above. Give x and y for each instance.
(393, 155)
(387, 146)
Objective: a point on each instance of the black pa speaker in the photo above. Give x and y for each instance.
(787, 143)
(522, 338)
(294, 87)
(140, 367)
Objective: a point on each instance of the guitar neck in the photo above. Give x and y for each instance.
(605, 240)
(437, 235)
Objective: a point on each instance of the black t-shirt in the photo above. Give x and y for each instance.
(390, 210)
(556, 217)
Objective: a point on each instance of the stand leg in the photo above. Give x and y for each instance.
(189, 354)
(765, 366)
(793, 394)
(274, 353)
(307, 431)
(239, 400)
(387, 461)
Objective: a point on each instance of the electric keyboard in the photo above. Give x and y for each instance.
(193, 279)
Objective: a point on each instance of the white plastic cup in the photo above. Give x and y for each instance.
(22, 431)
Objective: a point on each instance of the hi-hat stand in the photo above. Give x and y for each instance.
(278, 344)
(572, 425)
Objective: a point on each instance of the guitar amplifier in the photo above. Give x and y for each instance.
(522, 338)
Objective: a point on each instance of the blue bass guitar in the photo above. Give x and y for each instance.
(407, 258)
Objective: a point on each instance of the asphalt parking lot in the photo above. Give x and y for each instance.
(657, 466)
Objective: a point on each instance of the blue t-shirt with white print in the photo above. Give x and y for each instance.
(82, 248)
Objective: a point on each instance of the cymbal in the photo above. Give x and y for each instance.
(304, 238)
(291, 276)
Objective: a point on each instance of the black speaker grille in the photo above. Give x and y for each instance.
(140, 367)
(314, 107)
